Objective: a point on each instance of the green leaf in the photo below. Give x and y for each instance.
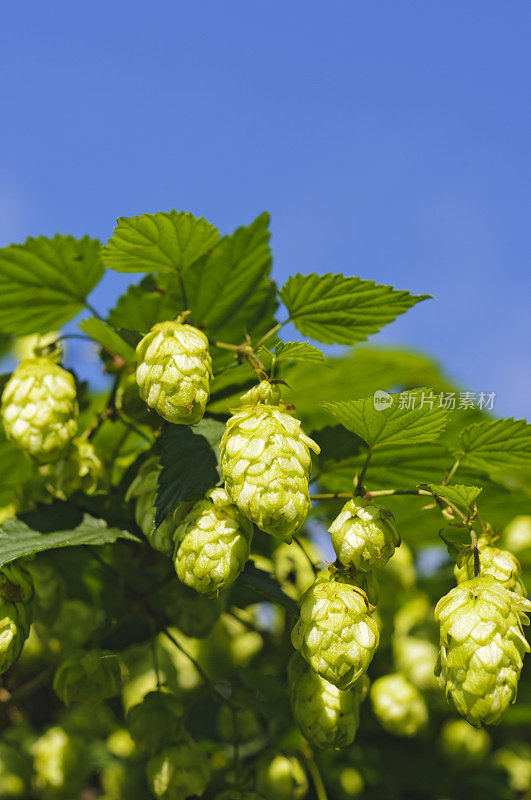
(267, 586)
(335, 309)
(145, 304)
(464, 496)
(107, 336)
(164, 241)
(18, 540)
(292, 351)
(45, 282)
(392, 419)
(189, 462)
(497, 444)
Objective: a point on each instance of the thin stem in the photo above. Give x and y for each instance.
(452, 472)
(183, 290)
(361, 476)
(65, 336)
(474, 540)
(92, 310)
(332, 496)
(155, 656)
(308, 557)
(313, 769)
(270, 333)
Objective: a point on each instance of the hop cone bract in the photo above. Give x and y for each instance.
(212, 544)
(143, 489)
(79, 468)
(16, 593)
(364, 535)
(174, 371)
(39, 408)
(499, 564)
(327, 716)
(398, 705)
(87, 677)
(266, 464)
(282, 778)
(481, 647)
(179, 771)
(335, 632)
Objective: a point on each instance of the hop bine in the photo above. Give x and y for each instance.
(266, 463)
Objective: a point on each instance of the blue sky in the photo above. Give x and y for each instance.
(389, 140)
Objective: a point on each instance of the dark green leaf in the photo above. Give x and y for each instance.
(145, 304)
(267, 586)
(497, 444)
(464, 496)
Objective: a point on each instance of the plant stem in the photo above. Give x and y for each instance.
(452, 472)
(313, 769)
(308, 557)
(361, 476)
(197, 666)
(270, 333)
(474, 540)
(92, 310)
(332, 496)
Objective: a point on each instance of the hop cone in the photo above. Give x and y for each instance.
(364, 535)
(174, 371)
(143, 489)
(282, 778)
(462, 744)
(80, 468)
(179, 771)
(327, 716)
(15, 771)
(60, 764)
(237, 794)
(517, 534)
(416, 659)
(87, 677)
(157, 719)
(499, 564)
(482, 647)
(398, 705)
(266, 463)
(238, 725)
(212, 544)
(16, 593)
(194, 614)
(335, 632)
(39, 408)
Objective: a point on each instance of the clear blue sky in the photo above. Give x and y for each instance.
(388, 139)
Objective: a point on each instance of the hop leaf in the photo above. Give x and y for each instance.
(212, 544)
(335, 632)
(87, 677)
(39, 408)
(482, 647)
(266, 464)
(174, 371)
(282, 778)
(179, 771)
(143, 489)
(398, 705)
(364, 535)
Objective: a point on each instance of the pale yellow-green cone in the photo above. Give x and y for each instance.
(179, 771)
(482, 645)
(143, 490)
(60, 764)
(16, 593)
(266, 464)
(416, 659)
(293, 566)
(499, 564)
(364, 535)
(238, 725)
(87, 677)
(517, 535)
(39, 409)
(212, 544)
(326, 716)
(335, 632)
(282, 778)
(401, 567)
(79, 468)
(174, 371)
(516, 761)
(462, 744)
(398, 705)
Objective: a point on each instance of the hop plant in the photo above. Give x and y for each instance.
(16, 593)
(59, 763)
(516, 761)
(237, 794)
(398, 705)
(194, 614)
(293, 567)
(282, 778)
(179, 771)
(266, 463)
(499, 564)
(517, 534)
(157, 719)
(335, 632)
(87, 677)
(212, 544)
(39, 408)
(15, 771)
(48, 588)
(327, 716)
(364, 535)
(80, 468)
(174, 371)
(416, 659)
(481, 647)
(143, 490)
(462, 744)
(238, 725)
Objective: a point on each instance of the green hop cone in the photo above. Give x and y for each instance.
(327, 716)
(212, 544)
(517, 535)
(60, 764)
(398, 705)
(462, 744)
(282, 778)
(174, 371)
(194, 614)
(87, 677)
(143, 490)
(335, 632)
(238, 725)
(157, 719)
(266, 464)
(482, 645)
(416, 659)
(364, 535)
(237, 794)
(80, 468)
(499, 564)
(516, 761)
(16, 613)
(15, 771)
(39, 409)
(179, 771)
